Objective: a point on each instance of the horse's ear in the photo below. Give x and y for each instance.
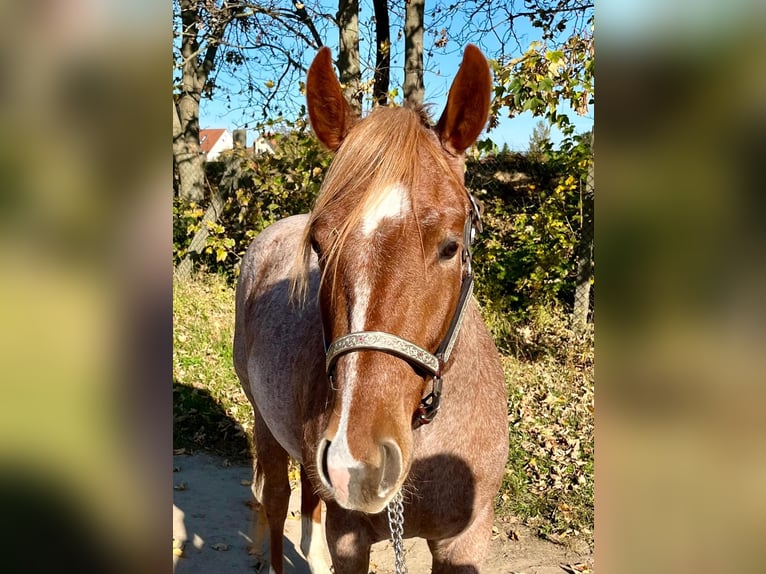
(467, 103)
(330, 115)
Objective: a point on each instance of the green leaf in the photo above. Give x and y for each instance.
(545, 85)
(531, 104)
(554, 56)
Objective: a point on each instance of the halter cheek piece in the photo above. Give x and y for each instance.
(410, 352)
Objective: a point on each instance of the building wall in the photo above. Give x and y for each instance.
(226, 141)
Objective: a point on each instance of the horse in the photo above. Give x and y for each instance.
(361, 348)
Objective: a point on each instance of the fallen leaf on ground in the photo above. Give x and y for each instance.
(221, 547)
(178, 547)
(180, 486)
(177, 451)
(578, 568)
(513, 535)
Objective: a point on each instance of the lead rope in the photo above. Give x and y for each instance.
(395, 510)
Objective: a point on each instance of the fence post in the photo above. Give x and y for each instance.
(585, 251)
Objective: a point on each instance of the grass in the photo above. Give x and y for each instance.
(548, 480)
(210, 410)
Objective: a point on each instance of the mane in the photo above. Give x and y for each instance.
(382, 150)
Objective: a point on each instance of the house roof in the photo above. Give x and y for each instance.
(208, 137)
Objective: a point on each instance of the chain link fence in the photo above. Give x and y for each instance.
(183, 173)
(189, 178)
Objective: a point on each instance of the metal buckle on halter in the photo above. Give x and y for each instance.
(430, 404)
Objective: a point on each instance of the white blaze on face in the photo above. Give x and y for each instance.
(393, 203)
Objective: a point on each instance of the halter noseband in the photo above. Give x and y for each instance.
(410, 352)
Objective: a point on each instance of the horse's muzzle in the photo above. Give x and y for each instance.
(357, 485)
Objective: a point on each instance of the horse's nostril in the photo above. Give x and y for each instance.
(324, 473)
(392, 467)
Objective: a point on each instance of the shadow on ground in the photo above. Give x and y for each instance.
(211, 519)
(201, 423)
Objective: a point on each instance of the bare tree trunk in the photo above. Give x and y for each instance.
(348, 57)
(585, 252)
(186, 149)
(194, 71)
(382, 53)
(413, 52)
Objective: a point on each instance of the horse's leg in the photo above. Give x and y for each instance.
(259, 523)
(464, 553)
(312, 537)
(348, 541)
(271, 486)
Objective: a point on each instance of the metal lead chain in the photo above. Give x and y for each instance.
(395, 510)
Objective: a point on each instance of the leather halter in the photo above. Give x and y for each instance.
(432, 363)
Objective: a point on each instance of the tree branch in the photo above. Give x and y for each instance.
(300, 9)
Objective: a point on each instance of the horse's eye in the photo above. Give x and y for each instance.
(448, 249)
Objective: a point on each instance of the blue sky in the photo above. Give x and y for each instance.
(514, 132)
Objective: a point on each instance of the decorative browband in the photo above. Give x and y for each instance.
(379, 341)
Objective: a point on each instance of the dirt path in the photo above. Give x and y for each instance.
(211, 522)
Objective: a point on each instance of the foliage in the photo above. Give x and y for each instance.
(524, 258)
(553, 73)
(543, 79)
(532, 216)
(256, 191)
(540, 141)
(549, 479)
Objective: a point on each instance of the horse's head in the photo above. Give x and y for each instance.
(389, 228)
